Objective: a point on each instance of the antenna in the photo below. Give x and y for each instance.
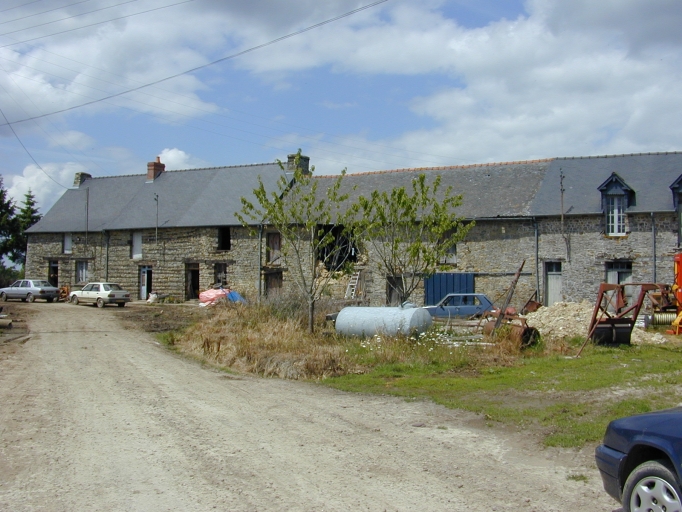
(566, 238)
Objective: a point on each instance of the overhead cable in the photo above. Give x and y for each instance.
(235, 55)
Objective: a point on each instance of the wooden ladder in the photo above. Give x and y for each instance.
(352, 285)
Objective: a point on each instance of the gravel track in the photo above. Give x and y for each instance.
(96, 417)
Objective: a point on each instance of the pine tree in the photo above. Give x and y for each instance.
(28, 215)
(8, 223)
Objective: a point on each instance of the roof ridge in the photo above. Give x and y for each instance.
(184, 170)
(222, 167)
(619, 156)
(443, 167)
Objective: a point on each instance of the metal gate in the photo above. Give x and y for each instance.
(439, 285)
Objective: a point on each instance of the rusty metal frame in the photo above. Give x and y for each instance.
(613, 313)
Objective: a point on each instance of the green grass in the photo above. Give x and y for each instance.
(570, 400)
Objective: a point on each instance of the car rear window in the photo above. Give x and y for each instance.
(41, 283)
(111, 286)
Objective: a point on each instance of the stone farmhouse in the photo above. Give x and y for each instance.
(575, 222)
(173, 232)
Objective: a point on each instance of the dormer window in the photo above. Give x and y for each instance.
(617, 197)
(676, 188)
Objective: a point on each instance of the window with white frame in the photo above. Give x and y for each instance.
(81, 271)
(617, 197)
(136, 253)
(615, 215)
(67, 245)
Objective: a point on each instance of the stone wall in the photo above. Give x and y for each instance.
(109, 257)
(493, 251)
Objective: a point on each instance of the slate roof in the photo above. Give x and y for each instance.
(211, 197)
(189, 198)
(488, 190)
(532, 188)
(649, 175)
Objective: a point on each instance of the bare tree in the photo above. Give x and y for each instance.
(303, 216)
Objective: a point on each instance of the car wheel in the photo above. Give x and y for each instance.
(30, 297)
(74, 300)
(100, 303)
(652, 486)
(3, 297)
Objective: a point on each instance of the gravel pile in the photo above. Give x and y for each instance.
(570, 319)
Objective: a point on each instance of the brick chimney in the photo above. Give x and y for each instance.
(80, 177)
(154, 169)
(303, 163)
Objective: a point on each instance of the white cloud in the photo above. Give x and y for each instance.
(47, 185)
(569, 77)
(177, 159)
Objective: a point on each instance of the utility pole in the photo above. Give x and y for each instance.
(566, 238)
(156, 199)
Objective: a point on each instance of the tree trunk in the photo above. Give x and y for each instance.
(311, 316)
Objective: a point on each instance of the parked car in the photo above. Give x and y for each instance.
(100, 294)
(461, 305)
(639, 461)
(29, 290)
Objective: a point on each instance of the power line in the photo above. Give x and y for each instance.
(36, 122)
(98, 23)
(21, 5)
(289, 125)
(44, 12)
(235, 55)
(29, 153)
(309, 137)
(220, 133)
(195, 69)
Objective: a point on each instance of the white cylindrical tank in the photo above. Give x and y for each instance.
(367, 321)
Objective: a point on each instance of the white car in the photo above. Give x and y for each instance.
(29, 290)
(100, 294)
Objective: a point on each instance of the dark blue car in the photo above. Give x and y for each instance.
(639, 461)
(461, 305)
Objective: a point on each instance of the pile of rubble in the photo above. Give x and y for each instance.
(566, 320)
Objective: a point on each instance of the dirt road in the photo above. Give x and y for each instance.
(95, 417)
